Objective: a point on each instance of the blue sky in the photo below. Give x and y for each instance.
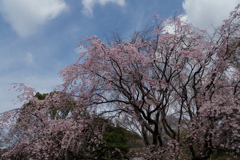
(40, 37)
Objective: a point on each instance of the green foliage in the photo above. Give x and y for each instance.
(221, 155)
(2, 151)
(116, 137)
(41, 96)
(134, 139)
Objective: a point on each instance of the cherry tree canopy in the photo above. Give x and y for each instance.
(178, 87)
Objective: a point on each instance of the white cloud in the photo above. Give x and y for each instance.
(29, 58)
(25, 16)
(88, 5)
(170, 27)
(204, 13)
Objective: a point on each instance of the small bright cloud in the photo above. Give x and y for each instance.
(29, 58)
(25, 16)
(88, 5)
(207, 13)
(170, 27)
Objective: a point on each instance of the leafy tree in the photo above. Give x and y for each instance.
(116, 138)
(186, 74)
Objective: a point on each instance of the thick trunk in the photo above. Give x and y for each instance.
(145, 138)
